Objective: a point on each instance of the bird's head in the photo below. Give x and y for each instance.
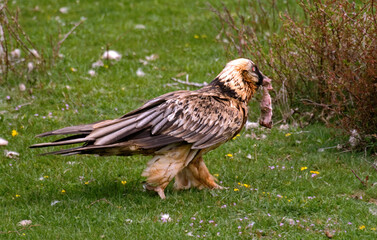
(241, 78)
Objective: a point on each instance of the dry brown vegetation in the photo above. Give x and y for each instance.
(324, 62)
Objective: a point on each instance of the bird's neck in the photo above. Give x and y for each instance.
(234, 88)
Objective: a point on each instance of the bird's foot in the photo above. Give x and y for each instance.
(219, 187)
(157, 189)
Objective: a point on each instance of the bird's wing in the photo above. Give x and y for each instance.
(201, 119)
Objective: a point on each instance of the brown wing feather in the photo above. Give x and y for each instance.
(201, 119)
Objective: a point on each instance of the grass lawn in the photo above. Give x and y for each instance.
(279, 184)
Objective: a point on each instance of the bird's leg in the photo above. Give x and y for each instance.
(164, 166)
(196, 174)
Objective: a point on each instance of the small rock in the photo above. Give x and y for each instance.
(3, 142)
(11, 154)
(24, 223)
(22, 87)
(251, 125)
(111, 55)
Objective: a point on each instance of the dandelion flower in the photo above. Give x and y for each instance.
(14, 133)
(229, 155)
(288, 134)
(216, 174)
(124, 182)
(303, 168)
(18, 195)
(362, 227)
(236, 189)
(63, 191)
(314, 172)
(196, 36)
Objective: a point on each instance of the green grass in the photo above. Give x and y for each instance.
(97, 205)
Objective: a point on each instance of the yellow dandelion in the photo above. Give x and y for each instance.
(288, 134)
(289, 200)
(106, 66)
(23, 234)
(73, 69)
(216, 174)
(303, 168)
(373, 229)
(196, 36)
(236, 189)
(86, 183)
(14, 133)
(246, 185)
(315, 172)
(45, 176)
(229, 155)
(124, 182)
(18, 195)
(361, 227)
(63, 191)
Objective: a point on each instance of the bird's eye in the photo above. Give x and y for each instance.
(254, 68)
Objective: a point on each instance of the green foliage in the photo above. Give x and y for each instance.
(103, 196)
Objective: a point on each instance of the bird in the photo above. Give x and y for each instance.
(176, 129)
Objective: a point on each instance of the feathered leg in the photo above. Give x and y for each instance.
(165, 165)
(196, 174)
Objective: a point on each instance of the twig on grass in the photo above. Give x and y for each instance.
(187, 82)
(366, 178)
(99, 200)
(22, 229)
(59, 44)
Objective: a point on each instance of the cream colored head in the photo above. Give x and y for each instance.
(240, 78)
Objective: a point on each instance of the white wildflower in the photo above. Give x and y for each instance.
(64, 10)
(97, 64)
(92, 73)
(22, 87)
(30, 66)
(139, 26)
(129, 221)
(284, 127)
(165, 218)
(16, 53)
(140, 72)
(112, 55)
(35, 53)
(354, 138)
(152, 57)
(54, 202)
